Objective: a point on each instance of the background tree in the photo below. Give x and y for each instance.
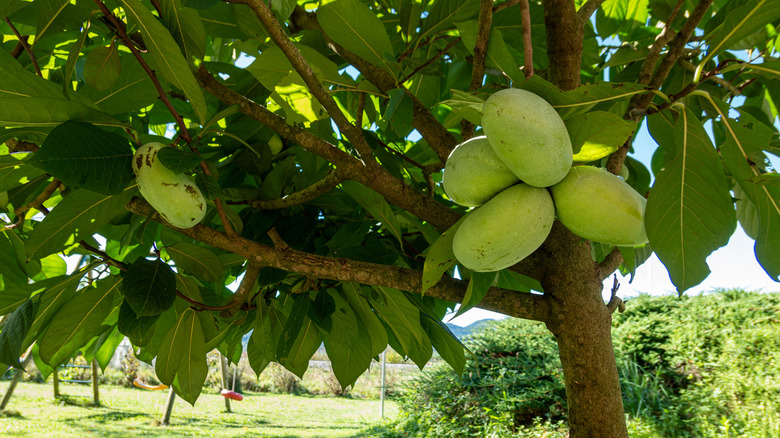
(318, 132)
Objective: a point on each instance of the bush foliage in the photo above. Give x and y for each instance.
(703, 366)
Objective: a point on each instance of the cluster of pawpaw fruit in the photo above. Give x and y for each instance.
(520, 177)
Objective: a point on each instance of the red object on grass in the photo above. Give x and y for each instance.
(233, 395)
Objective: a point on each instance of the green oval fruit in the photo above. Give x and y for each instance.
(474, 173)
(597, 205)
(505, 230)
(174, 196)
(528, 135)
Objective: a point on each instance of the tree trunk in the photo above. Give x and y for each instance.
(581, 323)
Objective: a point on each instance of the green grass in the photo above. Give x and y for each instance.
(33, 412)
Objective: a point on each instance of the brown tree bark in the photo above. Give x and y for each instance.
(581, 323)
(578, 317)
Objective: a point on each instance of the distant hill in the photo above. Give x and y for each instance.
(461, 332)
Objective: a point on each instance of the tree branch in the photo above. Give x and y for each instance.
(528, 44)
(278, 35)
(666, 35)
(394, 190)
(319, 188)
(23, 42)
(587, 10)
(242, 293)
(512, 303)
(437, 136)
(564, 43)
(484, 21)
(639, 103)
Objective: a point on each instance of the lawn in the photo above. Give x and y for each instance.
(33, 412)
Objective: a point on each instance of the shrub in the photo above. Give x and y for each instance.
(513, 380)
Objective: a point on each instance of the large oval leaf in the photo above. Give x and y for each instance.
(149, 287)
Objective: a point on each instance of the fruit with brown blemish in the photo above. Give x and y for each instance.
(174, 196)
(597, 205)
(528, 135)
(474, 173)
(505, 230)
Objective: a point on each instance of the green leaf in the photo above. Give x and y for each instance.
(299, 339)
(689, 211)
(196, 260)
(616, 15)
(137, 329)
(352, 25)
(193, 368)
(498, 55)
(597, 134)
(740, 23)
(15, 330)
(46, 111)
(78, 321)
(58, 292)
(186, 27)
(83, 155)
(177, 160)
(131, 91)
(12, 274)
(376, 205)
(167, 59)
(508, 279)
(347, 346)
(182, 356)
(76, 217)
(269, 324)
(583, 98)
(479, 285)
(439, 258)
(746, 138)
(102, 67)
(350, 234)
(444, 14)
(403, 319)
(446, 344)
(52, 16)
(466, 105)
(376, 332)
(149, 287)
(15, 172)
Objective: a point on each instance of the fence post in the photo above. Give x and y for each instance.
(382, 394)
(95, 383)
(166, 418)
(224, 367)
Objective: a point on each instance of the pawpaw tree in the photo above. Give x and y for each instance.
(318, 132)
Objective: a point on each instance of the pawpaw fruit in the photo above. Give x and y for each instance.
(505, 230)
(597, 205)
(473, 173)
(175, 196)
(528, 135)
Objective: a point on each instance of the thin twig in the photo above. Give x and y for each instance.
(26, 46)
(201, 305)
(19, 47)
(37, 203)
(129, 44)
(319, 188)
(438, 55)
(242, 293)
(106, 258)
(614, 301)
(484, 22)
(528, 46)
(505, 5)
